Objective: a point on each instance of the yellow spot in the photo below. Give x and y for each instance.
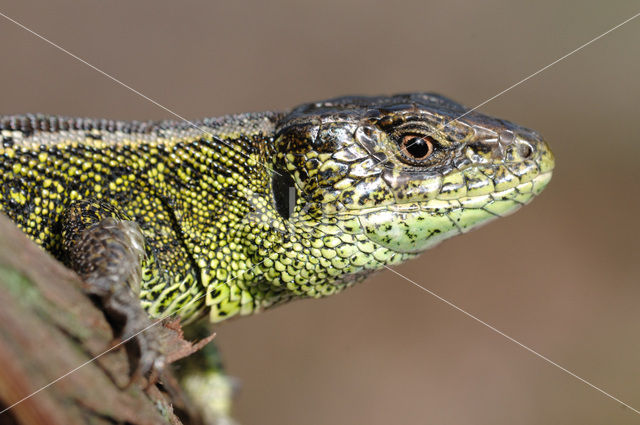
(18, 197)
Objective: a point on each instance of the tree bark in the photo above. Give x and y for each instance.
(49, 333)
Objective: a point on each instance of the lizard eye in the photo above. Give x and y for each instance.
(416, 147)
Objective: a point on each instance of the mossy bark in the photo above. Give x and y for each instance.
(49, 331)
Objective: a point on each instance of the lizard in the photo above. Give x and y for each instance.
(233, 215)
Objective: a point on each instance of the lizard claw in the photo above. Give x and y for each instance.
(146, 356)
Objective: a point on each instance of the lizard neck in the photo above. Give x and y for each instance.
(219, 186)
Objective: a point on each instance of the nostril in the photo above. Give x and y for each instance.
(525, 150)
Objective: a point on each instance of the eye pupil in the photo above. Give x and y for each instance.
(417, 147)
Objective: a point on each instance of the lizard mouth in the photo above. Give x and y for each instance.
(414, 227)
(500, 203)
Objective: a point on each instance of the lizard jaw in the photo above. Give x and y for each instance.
(415, 227)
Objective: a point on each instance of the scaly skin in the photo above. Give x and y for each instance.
(263, 208)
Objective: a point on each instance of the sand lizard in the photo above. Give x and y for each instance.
(236, 214)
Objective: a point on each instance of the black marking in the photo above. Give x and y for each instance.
(284, 193)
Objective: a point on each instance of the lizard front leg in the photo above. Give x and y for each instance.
(107, 250)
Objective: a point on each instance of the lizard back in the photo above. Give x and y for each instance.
(172, 178)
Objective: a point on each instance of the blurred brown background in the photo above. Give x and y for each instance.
(561, 276)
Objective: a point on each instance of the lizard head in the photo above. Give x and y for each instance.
(363, 182)
(407, 171)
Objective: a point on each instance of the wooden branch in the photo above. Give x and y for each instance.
(49, 328)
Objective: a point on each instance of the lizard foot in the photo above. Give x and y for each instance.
(107, 251)
(142, 336)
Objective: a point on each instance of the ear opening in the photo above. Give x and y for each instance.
(284, 193)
